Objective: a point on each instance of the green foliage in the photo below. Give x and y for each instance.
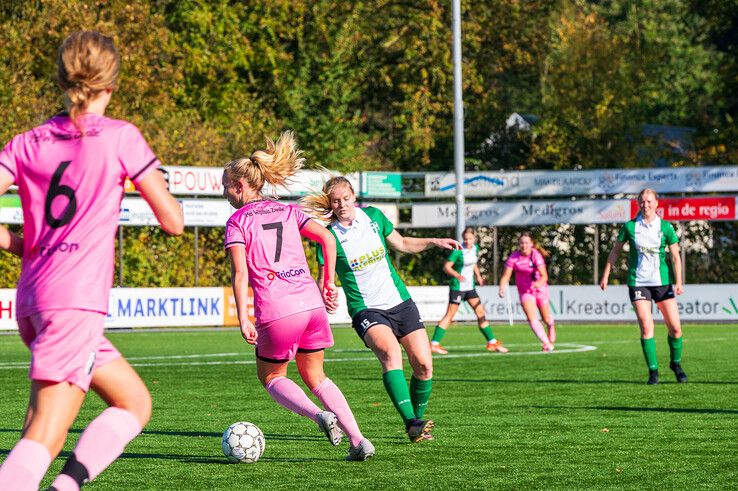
(367, 85)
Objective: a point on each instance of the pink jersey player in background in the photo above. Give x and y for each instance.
(70, 173)
(263, 240)
(531, 278)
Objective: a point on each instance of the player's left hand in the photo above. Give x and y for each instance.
(678, 289)
(480, 280)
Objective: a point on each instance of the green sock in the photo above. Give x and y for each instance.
(675, 349)
(420, 391)
(649, 352)
(487, 332)
(396, 386)
(438, 334)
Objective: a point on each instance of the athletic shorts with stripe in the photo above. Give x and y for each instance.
(66, 345)
(402, 319)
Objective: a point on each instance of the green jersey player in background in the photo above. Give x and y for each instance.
(650, 279)
(461, 266)
(382, 312)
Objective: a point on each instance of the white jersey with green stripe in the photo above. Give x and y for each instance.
(647, 264)
(464, 262)
(362, 262)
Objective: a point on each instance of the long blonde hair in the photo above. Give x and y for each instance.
(276, 164)
(536, 246)
(87, 63)
(318, 205)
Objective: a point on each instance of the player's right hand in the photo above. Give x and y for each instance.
(501, 293)
(248, 331)
(603, 283)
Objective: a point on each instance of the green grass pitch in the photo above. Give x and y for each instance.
(579, 418)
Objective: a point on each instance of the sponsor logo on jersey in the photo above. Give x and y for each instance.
(375, 227)
(286, 274)
(48, 250)
(369, 259)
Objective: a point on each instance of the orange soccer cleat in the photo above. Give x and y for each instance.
(496, 346)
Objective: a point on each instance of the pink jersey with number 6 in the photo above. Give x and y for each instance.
(278, 270)
(70, 187)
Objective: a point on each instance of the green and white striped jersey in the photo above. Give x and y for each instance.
(362, 262)
(647, 264)
(464, 261)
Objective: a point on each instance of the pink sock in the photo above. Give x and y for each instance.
(25, 466)
(333, 400)
(537, 329)
(100, 444)
(289, 395)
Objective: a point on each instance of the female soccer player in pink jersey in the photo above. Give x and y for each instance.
(531, 278)
(70, 173)
(263, 240)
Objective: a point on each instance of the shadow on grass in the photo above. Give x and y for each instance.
(571, 381)
(687, 410)
(198, 459)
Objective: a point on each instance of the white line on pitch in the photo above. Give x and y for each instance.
(575, 348)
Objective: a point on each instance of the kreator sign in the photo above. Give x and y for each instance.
(152, 307)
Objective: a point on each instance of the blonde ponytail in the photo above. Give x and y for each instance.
(276, 164)
(87, 63)
(318, 205)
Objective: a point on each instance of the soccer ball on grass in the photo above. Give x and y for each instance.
(243, 442)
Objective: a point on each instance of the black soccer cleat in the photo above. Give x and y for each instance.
(653, 377)
(680, 375)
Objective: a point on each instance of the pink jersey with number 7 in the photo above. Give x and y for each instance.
(70, 187)
(278, 271)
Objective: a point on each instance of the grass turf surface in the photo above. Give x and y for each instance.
(579, 419)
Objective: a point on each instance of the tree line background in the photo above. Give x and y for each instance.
(367, 85)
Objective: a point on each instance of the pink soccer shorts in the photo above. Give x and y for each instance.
(66, 345)
(539, 296)
(280, 340)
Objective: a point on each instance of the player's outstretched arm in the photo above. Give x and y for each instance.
(240, 284)
(8, 240)
(413, 245)
(614, 253)
(153, 188)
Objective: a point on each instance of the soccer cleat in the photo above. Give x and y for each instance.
(653, 377)
(362, 451)
(418, 428)
(427, 437)
(552, 334)
(680, 375)
(496, 346)
(328, 424)
(547, 348)
(437, 348)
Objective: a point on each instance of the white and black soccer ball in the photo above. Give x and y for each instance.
(243, 442)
